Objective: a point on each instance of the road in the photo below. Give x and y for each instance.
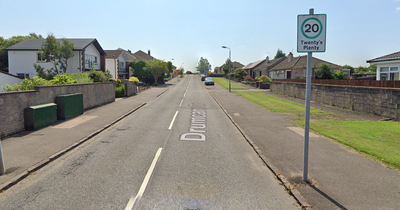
(179, 151)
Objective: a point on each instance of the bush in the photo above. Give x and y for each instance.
(120, 91)
(63, 79)
(118, 83)
(26, 84)
(323, 71)
(134, 80)
(108, 74)
(248, 79)
(240, 73)
(98, 76)
(82, 78)
(264, 79)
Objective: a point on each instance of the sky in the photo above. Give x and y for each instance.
(182, 31)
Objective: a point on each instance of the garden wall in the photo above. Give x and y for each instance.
(373, 100)
(12, 104)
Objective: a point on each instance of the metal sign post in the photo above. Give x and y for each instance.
(311, 37)
(2, 167)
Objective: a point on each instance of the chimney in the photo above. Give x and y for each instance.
(267, 59)
(129, 50)
(290, 57)
(148, 52)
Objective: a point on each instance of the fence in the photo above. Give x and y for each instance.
(348, 82)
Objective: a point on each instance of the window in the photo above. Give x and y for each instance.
(22, 75)
(40, 58)
(394, 69)
(384, 69)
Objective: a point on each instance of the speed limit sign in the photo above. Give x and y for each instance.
(311, 33)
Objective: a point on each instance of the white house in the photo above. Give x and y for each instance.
(22, 56)
(387, 66)
(8, 79)
(117, 63)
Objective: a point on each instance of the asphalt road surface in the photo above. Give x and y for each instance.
(180, 151)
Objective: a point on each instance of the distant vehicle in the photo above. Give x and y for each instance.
(209, 81)
(203, 77)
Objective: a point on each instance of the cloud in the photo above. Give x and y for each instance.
(398, 9)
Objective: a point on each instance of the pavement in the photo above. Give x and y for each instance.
(339, 177)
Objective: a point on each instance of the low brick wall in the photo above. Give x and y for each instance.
(380, 101)
(130, 88)
(12, 104)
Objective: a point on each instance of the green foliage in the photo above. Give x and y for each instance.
(361, 70)
(203, 66)
(57, 53)
(323, 71)
(108, 74)
(181, 71)
(62, 79)
(120, 91)
(81, 78)
(156, 68)
(26, 84)
(339, 74)
(225, 66)
(97, 76)
(264, 79)
(279, 54)
(138, 69)
(42, 74)
(240, 73)
(372, 68)
(169, 67)
(118, 83)
(349, 67)
(216, 69)
(134, 80)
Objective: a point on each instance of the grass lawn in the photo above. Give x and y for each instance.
(275, 104)
(380, 139)
(225, 84)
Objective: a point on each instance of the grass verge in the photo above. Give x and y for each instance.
(380, 139)
(275, 104)
(225, 84)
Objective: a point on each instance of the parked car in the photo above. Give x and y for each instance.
(203, 77)
(209, 81)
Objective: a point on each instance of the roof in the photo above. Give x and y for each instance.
(236, 64)
(270, 64)
(36, 44)
(113, 53)
(301, 63)
(253, 65)
(390, 57)
(143, 56)
(3, 72)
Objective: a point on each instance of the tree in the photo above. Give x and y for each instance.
(57, 53)
(225, 67)
(138, 69)
(349, 67)
(339, 74)
(216, 69)
(372, 68)
(361, 70)
(279, 54)
(323, 71)
(156, 68)
(240, 73)
(203, 66)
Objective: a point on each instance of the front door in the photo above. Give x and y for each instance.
(288, 74)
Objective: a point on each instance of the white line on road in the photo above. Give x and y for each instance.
(173, 119)
(132, 201)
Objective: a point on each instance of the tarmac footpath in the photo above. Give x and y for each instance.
(28, 151)
(339, 177)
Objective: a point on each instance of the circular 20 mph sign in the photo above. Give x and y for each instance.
(311, 33)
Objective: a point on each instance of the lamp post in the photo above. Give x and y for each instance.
(229, 67)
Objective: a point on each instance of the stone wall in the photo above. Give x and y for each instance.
(12, 104)
(380, 101)
(130, 88)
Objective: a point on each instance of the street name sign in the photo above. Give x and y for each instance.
(311, 33)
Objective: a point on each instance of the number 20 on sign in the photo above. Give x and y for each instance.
(311, 33)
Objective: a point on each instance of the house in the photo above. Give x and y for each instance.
(296, 68)
(235, 65)
(387, 66)
(265, 66)
(8, 79)
(117, 62)
(140, 55)
(251, 67)
(22, 56)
